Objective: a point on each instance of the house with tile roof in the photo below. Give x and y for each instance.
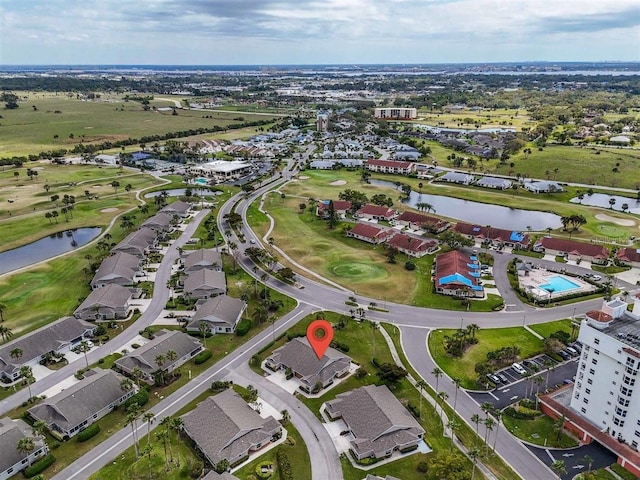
(313, 373)
(76, 407)
(376, 212)
(572, 250)
(56, 338)
(415, 220)
(239, 430)
(221, 314)
(413, 246)
(629, 256)
(341, 207)
(498, 236)
(458, 275)
(13, 460)
(377, 422)
(390, 166)
(120, 268)
(110, 302)
(370, 233)
(144, 357)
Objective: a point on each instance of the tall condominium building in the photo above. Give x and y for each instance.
(394, 113)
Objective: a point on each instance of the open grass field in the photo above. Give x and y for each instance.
(26, 130)
(539, 431)
(488, 340)
(546, 329)
(465, 118)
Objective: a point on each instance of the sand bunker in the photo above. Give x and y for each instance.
(38, 168)
(303, 177)
(618, 221)
(108, 210)
(338, 183)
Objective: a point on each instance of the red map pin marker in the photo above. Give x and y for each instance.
(319, 344)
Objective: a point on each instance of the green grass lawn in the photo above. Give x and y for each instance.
(488, 340)
(599, 474)
(539, 431)
(546, 329)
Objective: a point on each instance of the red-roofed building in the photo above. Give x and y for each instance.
(370, 233)
(417, 220)
(376, 212)
(629, 256)
(341, 207)
(414, 247)
(458, 275)
(390, 166)
(572, 250)
(510, 238)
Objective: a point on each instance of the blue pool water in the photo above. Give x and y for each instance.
(559, 284)
(201, 181)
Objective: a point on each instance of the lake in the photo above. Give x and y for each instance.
(602, 200)
(46, 248)
(482, 213)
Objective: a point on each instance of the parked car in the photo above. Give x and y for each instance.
(572, 351)
(502, 378)
(493, 378)
(519, 368)
(567, 381)
(564, 354)
(597, 278)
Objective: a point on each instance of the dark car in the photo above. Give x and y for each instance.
(502, 378)
(564, 355)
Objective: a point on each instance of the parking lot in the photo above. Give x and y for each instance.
(531, 365)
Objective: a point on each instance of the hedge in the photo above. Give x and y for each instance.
(202, 357)
(141, 398)
(243, 327)
(284, 465)
(89, 432)
(40, 466)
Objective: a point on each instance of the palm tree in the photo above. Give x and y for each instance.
(456, 382)
(205, 331)
(147, 450)
(84, 347)
(160, 361)
(163, 435)
(286, 417)
(148, 417)
(559, 467)
(133, 412)
(489, 423)
(5, 333)
(475, 418)
(589, 461)
(166, 422)
(375, 326)
(27, 374)
(171, 356)
(498, 415)
(16, 353)
(115, 184)
(474, 453)
(442, 396)
(454, 426)
(176, 424)
(3, 309)
(38, 428)
(137, 374)
(126, 384)
(26, 445)
(436, 372)
(421, 384)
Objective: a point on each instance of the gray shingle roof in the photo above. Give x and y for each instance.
(237, 426)
(159, 220)
(145, 357)
(119, 265)
(111, 296)
(178, 207)
(221, 309)
(11, 431)
(46, 339)
(205, 279)
(299, 356)
(137, 241)
(79, 402)
(376, 418)
(212, 475)
(202, 258)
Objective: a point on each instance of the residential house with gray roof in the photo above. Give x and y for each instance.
(494, 182)
(178, 207)
(78, 406)
(202, 258)
(543, 186)
(53, 339)
(239, 430)
(205, 283)
(312, 372)
(457, 177)
(111, 302)
(378, 423)
(165, 341)
(221, 314)
(120, 268)
(160, 222)
(137, 243)
(213, 475)
(13, 460)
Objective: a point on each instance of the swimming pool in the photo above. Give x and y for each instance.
(202, 181)
(559, 284)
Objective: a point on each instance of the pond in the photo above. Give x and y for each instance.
(178, 192)
(482, 213)
(46, 248)
(602, 200)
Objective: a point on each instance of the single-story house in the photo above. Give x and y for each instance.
(204, 283)
(110, 302)
(418, 220)
(178, 208)
(120, 268)
(379, 423)
(78, 406)
(56, 338)
(543, 186)
(370, 233)
(458, 275)
(13, 460)
(221, 314)
(160, 222)
(629, 256)
(494, 182)
(322, 164)
(572, 250)
(510, 238)
(137, 243)
(341, 207)
(376, 212)
(390, 166)
(457, 177)
(312, 372)
(182, 345)
(620, 140)
(412, 246)
(239, 430)
(202, 258)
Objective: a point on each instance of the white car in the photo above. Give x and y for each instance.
(596, 277)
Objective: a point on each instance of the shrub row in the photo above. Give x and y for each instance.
(202, 357)
(89, 432)
(40, 466)
(522, 414)
(284, 465)
(343, 347)
(243, 327)
(141, 398)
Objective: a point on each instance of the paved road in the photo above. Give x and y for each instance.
(574, 458)
(160, 297)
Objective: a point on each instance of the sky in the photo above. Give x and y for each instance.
(262, 32)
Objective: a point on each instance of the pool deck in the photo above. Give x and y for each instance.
(537, 277)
